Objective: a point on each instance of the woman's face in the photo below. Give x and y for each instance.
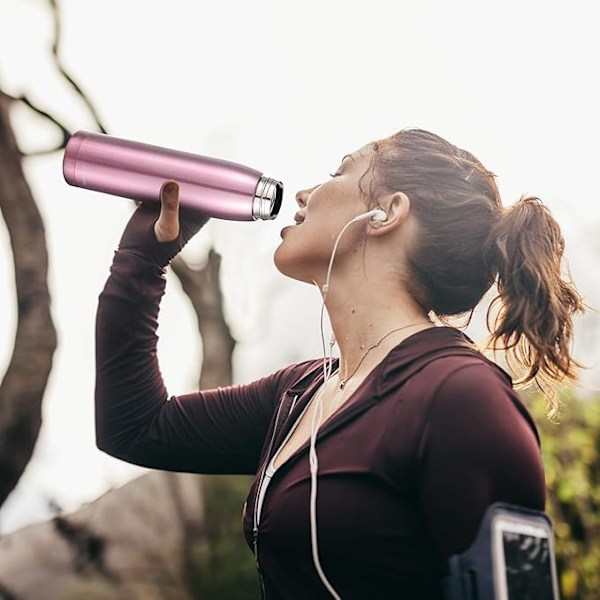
(306, 247)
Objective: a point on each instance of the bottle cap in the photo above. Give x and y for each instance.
(267, 199)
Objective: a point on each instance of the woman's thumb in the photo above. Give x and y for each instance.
(166, 227)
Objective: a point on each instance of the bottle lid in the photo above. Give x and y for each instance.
(267, 199)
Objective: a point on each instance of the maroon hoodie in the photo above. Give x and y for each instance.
(407, 466)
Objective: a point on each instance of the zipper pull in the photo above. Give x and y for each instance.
(260, 575)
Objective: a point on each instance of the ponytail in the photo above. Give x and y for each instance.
(465, 240)
(534, 320)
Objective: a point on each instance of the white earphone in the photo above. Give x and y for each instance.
(377, 215)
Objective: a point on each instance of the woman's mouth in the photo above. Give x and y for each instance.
(299, 218)
(285, 229)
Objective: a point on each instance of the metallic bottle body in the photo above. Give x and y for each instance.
(136, 170)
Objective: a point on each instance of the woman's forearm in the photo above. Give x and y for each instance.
(129, 386)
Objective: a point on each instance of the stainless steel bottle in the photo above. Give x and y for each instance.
(216, 187)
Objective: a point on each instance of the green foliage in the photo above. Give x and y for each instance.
(571, 454)
(226, 565)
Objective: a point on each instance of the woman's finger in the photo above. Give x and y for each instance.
(166, 227)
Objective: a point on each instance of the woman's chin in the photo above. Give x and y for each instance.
(289, 264)
(283, 261)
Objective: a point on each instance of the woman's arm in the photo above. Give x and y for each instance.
(477, 448)
(216, 431)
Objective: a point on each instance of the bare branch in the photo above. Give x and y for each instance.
(65, 132)
(61, 69)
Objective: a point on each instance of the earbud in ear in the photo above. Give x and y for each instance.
(375, 215)
(379, 215)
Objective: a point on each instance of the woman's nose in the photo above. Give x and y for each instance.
(301, 198)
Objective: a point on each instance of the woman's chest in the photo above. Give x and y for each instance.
(365, 486)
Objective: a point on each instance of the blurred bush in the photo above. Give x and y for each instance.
(571, 453)
(226, 566)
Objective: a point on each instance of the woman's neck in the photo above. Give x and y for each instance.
(368, 321)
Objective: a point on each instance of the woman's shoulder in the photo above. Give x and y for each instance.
(430, 356)
(466, 368)
(471, 386)
(452, 369)
(446, 375)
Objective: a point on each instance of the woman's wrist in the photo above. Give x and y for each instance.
(139, 238)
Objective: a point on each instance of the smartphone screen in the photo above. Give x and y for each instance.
(523, 560)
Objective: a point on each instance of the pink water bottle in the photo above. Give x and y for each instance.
(135, 170)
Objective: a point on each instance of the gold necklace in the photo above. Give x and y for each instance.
(344, 381)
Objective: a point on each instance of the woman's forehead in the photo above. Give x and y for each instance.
(365, 151)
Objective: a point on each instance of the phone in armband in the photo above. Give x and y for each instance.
(512, 558)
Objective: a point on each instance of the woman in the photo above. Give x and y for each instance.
(412, 433)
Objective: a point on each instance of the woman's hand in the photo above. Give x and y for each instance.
(159, 237)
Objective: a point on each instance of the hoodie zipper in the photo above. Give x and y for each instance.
(258, 493)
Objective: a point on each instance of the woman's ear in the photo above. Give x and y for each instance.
(397, 208)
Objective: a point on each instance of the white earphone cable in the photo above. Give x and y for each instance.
(318, 412)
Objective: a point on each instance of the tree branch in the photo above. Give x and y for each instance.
(61, 69)
(66, 134)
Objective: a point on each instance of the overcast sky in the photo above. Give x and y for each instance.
(287, 89)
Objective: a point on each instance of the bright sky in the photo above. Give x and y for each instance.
(286, 89)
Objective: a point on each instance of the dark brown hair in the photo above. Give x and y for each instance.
(467, 241)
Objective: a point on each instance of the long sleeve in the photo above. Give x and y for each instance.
(215, 431)
(478, 447)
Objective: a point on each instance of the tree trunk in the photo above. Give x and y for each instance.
(203, 288)
(154, 537)
(22, 389)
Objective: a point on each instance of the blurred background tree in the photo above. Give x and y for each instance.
(95, 551)
(24, 382)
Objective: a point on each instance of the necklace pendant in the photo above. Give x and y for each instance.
(342, 384)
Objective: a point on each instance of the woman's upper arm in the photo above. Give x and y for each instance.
(214, 431)
(477, 448)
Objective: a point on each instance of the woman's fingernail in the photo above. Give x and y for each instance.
(170, 187)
